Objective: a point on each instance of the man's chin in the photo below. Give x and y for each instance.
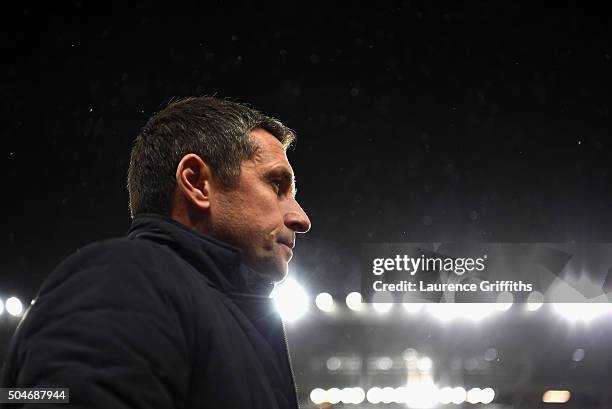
(275, 272)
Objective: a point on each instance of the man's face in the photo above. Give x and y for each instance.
(261, 216)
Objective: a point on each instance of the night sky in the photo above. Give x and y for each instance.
(476, 121)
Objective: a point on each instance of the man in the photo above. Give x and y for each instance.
(177, 314)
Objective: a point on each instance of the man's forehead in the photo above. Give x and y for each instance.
(268, 149)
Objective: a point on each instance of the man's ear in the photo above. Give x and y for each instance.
(193, 181)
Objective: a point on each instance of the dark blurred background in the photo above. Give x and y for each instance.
(480, 121)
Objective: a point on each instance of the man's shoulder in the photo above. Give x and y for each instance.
(122, 260)
(120, 250)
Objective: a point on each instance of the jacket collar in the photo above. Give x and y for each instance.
(218, 261)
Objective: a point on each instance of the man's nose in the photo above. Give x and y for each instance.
(296, 218)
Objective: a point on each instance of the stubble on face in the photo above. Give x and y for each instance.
(250, 216)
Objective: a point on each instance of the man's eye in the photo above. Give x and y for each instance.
(276, 185)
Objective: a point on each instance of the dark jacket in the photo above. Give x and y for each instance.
(163, 318)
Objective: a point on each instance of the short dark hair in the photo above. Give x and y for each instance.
(215, 129)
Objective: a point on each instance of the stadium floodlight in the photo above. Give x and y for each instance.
(334, 363)
(534, 301)
(346, 395)
(413, 307)
(387, 395)
(443, 312)
(382, 303)
(504, 301)
(374, 395)
(318, 396)
(578, 355)
(382, 307)
(410, 354)
(357, 396)
(400, 394)
(354, 301)
(384, 363)
(445, 395)
(471, 311)
(352, 396)
(424, 364)
(334, 395)
(14, 306)
(290, 299)
(555, 396)
(474, 395)
(583, 312)
(458, 395)
(422, 396)
(490, 354)
(325, 302)
(487, 396)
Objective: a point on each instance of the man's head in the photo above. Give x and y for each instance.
(221, 168)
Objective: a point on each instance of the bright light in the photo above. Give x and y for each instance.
(584, 312)
(345, 395)
(352, 395)
(385, 363)
(382, 303)
(374, 395)
(352, 364)
(490, 354)
(474, 395)
(325, 302)
(472, 311)
(443, 312)
(504, 301)
(413, 307)
(357, 396)
(318, 396)
(13, 306)
(382, 307)
(401, 394)
(458, 395)
(578, 355)
(421, 396)
(387, 395)
(418, 395)
(424, 364)
(556, 396)
(409, 354)
(534, 301)
(354, 301)
(290, 300)
(1, 307)
(445, 395)
(334, 363)
(487, 396)
(334, 395)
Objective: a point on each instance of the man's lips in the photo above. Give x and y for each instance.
(289, 244)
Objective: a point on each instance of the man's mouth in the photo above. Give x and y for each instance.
(290, 244)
